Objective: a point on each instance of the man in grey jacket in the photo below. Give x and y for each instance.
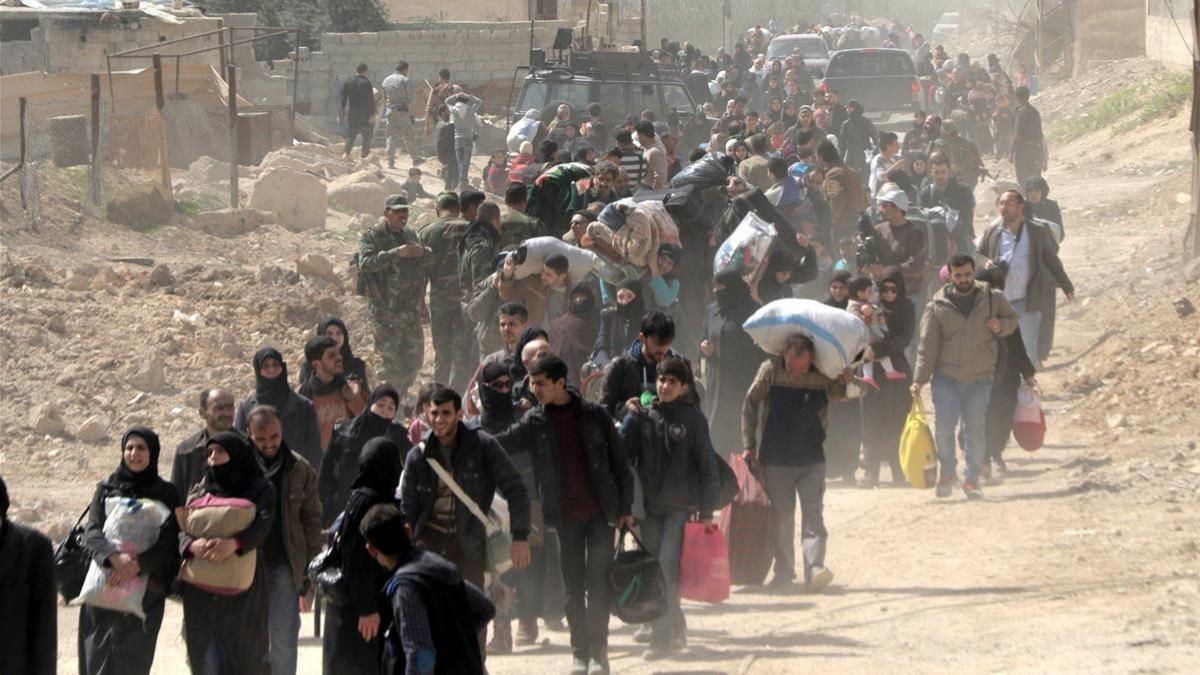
(957, 351)
(463, 108)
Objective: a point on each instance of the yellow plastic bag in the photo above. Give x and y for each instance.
(918, 454)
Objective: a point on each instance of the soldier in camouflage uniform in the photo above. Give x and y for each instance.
(518, 226)
(965, 160)
(477, 257)
(451, 339)
(392, 276)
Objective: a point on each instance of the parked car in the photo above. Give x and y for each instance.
(946, 26)
(812, 48)
(883, 80)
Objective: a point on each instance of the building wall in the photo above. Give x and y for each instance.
(1167, 40)
(403, 11)
(481, 56)
(1109, 29)
(79, 43)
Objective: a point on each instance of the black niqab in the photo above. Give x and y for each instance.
(128, 479)
(497, 406)
(892, 275)
(733, 298)
(232, 478)
(634, 309)
(271, 392)
(379, 466)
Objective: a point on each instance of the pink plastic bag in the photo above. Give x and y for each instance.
(704, 564)
(1029, 421)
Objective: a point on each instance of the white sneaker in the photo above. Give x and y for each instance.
(820, 579)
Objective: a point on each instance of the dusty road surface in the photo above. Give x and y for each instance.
(1087, 560)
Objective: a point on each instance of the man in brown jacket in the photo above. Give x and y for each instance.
(294, 539)
(957, 351)
(844, 191)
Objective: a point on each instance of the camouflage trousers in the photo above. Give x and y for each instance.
(400, 134)
(400, 342)
(451, 342)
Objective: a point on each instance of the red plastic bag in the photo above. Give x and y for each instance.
(704, 564)
(1029, 420)
(746, 525)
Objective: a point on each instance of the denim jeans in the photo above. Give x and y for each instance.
(587, 553)
(1031, 328)
(952, 401)
(462, 152)
(663, 536)
(283, 614)
(783, 484)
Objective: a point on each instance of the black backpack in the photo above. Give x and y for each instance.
(636, 582)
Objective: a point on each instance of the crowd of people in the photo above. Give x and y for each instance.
(554, 392)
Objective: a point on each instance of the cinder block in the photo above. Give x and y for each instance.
(369, 38)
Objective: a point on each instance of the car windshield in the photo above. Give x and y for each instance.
(532, 96)
(809, 47)
(677, 98)
(868, 63)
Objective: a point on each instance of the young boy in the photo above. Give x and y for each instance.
(669, 446)
(860, 305)
(436, 616)
(847, 262)
(413, 188)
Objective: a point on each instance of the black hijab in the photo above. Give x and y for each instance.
(370, 425)
(637, 307)
(379, 467)
(126, 478)
(271, 392)
(233, 478)
(844, 277)
(734, 300)
(892, 275)
(351, 364)
(497, 414)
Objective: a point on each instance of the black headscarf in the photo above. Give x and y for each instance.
(232, 478)
(497, 414)
(584, 305)
(844, 277)
(351, 364)
(733, 299)
(271, 392)
(126, 478)
(636, 307)
(894, 276)
(370, 425)
(379, 466)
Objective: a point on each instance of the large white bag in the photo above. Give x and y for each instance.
(746, 249)
(133, 526)
(538, 249)
(839, 336)
(524, 129)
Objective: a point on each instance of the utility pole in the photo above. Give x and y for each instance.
(643, 20)
(1194, 220)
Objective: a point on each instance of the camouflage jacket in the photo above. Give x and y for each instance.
(442, 237)
(517, 227)
(389, 280)
(476, 256)
(964, 157)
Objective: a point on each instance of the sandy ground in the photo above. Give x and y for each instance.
(1087, 560)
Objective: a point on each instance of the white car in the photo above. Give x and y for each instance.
(811, 46)
(946, 27)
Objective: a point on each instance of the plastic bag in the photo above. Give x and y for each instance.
(536, 250)
(839, 336)
(125, 597)
(524, 129)
(133, 526)
(1029, 420)
(747, 248)
(704, 564)
(708, 171)
(918, 454)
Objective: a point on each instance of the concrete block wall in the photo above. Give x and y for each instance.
(477, 54)
(1164, 42)
(80, 44)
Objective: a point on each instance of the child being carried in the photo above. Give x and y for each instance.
(861, 305)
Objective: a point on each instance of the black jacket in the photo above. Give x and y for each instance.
(480, 466)
(301, 430)
(190, 462)
(28, 643)
(611, 476)
(339, 466)
(670, 447)
(427, 588)
(359, 95)
(630, 375)
(957, 196)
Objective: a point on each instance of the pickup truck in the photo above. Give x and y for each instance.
(882, 80)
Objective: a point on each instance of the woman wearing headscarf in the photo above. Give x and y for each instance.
(353, 633)
(117, 642)
(301, 431)
(776, 280)
(1038, 205)
(731, 358)
(857, 135)
(352, 366)
(845, 417)
(572, 335)
(621, 323)
(227, 634)
(884, 411)
(339, 466)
